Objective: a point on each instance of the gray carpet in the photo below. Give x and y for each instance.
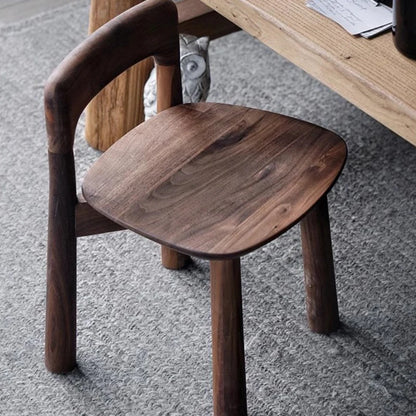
(144, 332)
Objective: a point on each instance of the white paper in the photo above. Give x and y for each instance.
(355, 16)
(370, 33)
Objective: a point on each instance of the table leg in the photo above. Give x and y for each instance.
(119, 106)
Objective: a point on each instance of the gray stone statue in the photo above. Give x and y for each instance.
(195, 74)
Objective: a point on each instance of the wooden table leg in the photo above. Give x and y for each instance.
(229, 378)
(321, 295)
(119, 106)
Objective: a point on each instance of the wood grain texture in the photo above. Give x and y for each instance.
(195, 18)
(371, 74)
(214, 180)
(321, 294)
(60, 331)
(119, 106)
(229, 379)
(169, 93)
(94, 63)
(89, 222)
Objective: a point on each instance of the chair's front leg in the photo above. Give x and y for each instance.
(60, 337)
(229, 378)
(321, 295)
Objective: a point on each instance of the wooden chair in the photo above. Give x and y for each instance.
(210, 180)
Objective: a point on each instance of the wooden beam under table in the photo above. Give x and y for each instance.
(196, 18)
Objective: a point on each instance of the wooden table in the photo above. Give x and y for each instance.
(371, 74)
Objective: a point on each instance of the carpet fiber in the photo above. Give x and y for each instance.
(143, 331)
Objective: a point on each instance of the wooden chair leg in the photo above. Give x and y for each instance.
(321, 295)
(60, 336)
(229, 379)
(172, 259)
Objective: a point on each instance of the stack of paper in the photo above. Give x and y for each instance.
(358, 17)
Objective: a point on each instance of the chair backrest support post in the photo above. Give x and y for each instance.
(148, 29)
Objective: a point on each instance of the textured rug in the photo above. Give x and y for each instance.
(144, 332)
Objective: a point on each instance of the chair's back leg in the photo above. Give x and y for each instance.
(172, 259)
(229, 379)
(321, 295)
(60, 335)
(169, 93)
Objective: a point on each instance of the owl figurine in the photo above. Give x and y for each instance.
(194, 71)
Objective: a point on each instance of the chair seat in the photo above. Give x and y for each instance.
(214, 180)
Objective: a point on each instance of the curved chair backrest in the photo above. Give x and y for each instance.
(148, 29)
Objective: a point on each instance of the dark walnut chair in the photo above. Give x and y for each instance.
(213, 181)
